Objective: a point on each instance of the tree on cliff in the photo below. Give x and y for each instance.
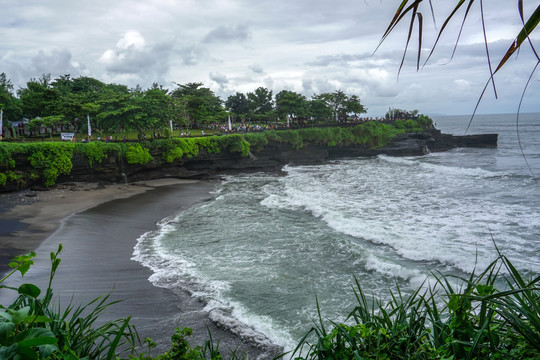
(200, 104)
(39, 98)
(238, 104)
(8, 102)
(290, 102)
(341, 104)
(156, 109)
(261, 104)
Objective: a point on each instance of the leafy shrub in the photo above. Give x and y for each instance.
(95, 152)
(210, 144)
(136, 154)
(410, 124)
(171, 150)
(371, 134)
(30, 328)
(173, 154)
(51, 160)
(189, 147)
(176, 148)
(291, 137)
(419, 124)
(6, 149)
(424, 122)
(166, 133)
(12, 177)
(256, 140)
(182, 350)
(234, 144)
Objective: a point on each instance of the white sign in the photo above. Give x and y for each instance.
(89, 127)
(67, 136)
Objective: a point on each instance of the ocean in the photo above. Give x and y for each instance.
(267, 247)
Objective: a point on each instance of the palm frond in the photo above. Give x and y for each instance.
(527, 29)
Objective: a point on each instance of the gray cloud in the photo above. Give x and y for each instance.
(135, 61)
(56, 62)
(191, 55)
(325, 60)
(237, 45)
(256, 68)
(219, 78)
(226, 33)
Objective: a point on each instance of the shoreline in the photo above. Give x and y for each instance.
(29, 217)
(98, 227)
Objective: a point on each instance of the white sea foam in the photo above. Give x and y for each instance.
(171, 271)
(459, 171)
(409, 161)
(235, 317)
(393, 270)
(418, 236)
(261, 251)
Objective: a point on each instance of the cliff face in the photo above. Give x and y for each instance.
(272, 157)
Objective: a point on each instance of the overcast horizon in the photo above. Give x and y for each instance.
(309, 47)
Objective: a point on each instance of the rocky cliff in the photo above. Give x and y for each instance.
(272, 157)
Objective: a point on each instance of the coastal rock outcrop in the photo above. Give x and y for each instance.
(274, 155)
(270, 157)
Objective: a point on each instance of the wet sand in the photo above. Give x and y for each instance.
(98, 229)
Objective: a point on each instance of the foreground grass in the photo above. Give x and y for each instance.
(471, 320)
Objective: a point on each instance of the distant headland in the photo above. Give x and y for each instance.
(44, 164)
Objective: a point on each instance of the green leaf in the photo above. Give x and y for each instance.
(111, 353)
(22, 263)
(26, 353)
(6, 316)
(19, 315)
(46, 350)
(38, 319)
(8, 352)
(35, 337)
(529, 26)
(29, 290)
(6, 328)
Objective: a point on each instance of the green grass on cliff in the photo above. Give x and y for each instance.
(47, 161)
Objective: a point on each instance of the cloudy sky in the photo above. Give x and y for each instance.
(308, 46)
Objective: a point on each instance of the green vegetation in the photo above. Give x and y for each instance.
(49, 106)
(136, 154)
(371, 134)
(95, 152)
(454, 318)
(49, 160)
(472, 320)
(32, 328)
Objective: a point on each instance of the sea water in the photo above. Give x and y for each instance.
(268, 247)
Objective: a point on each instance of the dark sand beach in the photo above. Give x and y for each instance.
(98, 228)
